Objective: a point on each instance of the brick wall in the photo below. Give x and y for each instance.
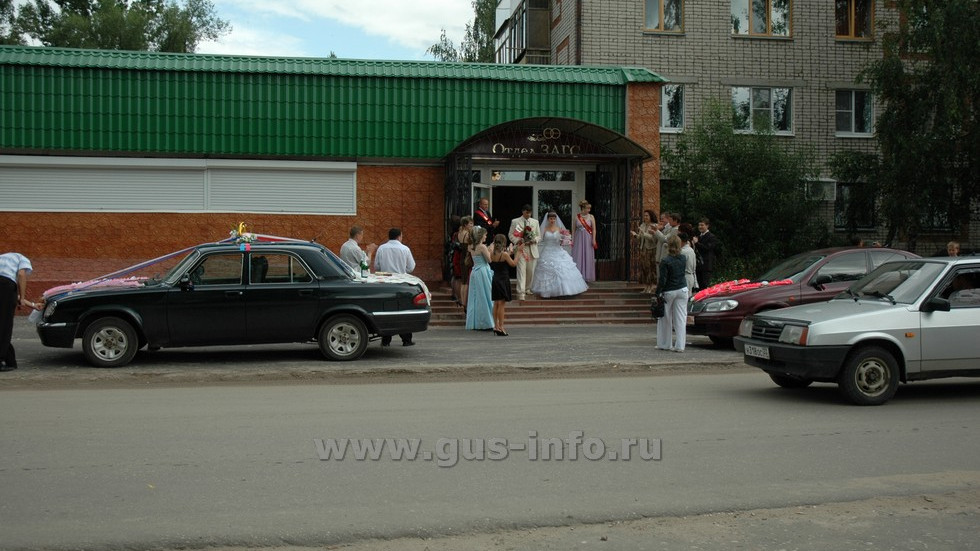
(643, 127)
(68, 247)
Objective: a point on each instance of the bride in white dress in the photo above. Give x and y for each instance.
(556, 274)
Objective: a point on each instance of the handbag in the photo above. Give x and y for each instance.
(658, 307)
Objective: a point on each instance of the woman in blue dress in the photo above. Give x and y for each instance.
(479, 305)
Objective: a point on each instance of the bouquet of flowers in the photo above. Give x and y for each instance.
(566, 238)
(526, 235)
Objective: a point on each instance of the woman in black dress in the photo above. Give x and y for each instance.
(500, 259)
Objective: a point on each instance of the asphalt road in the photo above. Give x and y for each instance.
(239, 465)
(439, 353)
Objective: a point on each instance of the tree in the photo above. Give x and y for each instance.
(9, 35)
(751, 187)
(477, 44)
(146, 25)
(928, 82)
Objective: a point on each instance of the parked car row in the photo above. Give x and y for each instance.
(866, 319)
(805, 278)
(908, 320)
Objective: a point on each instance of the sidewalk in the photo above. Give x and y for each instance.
(441, 352)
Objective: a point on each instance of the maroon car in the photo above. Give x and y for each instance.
(807, 277)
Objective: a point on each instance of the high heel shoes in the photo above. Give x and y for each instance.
(500, 333)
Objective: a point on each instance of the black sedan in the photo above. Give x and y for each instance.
(232, 294)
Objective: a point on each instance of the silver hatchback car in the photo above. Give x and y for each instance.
(906, 321)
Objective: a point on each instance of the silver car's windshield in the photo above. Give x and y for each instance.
(901, 282)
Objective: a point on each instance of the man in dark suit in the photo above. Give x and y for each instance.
(483, 218)
(706, 247)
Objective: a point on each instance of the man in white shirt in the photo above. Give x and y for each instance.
(395, 257)
(351, 251)
(14, 269)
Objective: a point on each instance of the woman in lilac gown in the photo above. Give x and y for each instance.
(584, 241)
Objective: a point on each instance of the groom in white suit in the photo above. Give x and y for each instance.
(525, 229)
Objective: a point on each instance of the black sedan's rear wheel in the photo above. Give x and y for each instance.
(870, 376)
(110, 342)
(343, 338)
(789, 382)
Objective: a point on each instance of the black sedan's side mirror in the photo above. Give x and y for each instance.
(821, 280)
(186, 284)
(936, 304)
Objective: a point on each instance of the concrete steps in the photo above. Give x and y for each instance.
(606, 302)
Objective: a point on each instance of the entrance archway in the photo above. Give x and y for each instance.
(553, 163)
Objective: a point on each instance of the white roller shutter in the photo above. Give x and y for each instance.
(85, 184)
(249, 190)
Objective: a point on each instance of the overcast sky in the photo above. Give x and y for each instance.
(362, 29)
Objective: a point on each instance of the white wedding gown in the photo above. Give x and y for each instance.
(556, 274)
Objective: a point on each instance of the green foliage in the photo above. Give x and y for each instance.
(477, 44)
(9, 34)
(143, 25)
(929, 82)
(749, 185)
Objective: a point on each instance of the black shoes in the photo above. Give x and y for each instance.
(408, 343)
(7, 367)
(500, 333)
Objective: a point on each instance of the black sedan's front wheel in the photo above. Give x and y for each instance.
(870, 376)
(343, 338)
(110, 342)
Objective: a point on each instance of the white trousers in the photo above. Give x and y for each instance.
(674, 320)
(525, 273)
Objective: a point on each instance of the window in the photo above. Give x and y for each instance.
(854, 207)
(853, 18)
(664, 15)
(846, 267)
(855, 110)
(761, 17)
(278, 268)
(672, 108)
(963, 290)
(218, 269)
(761, 109)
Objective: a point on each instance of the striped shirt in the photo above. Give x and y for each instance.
(11, 263)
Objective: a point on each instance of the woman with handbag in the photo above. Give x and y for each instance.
(672, 286)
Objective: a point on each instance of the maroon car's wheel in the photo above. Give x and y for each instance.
(343, 338)
(110, 342)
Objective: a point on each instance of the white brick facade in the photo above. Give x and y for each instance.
(709, 60)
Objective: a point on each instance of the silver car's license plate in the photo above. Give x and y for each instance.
(757, 351)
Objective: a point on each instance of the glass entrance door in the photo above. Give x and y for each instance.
(558, 200)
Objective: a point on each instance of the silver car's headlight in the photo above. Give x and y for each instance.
(745, 328)
(794, 334)
(721, 305)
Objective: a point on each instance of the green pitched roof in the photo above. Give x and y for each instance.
(157, 61)
(106, 101)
